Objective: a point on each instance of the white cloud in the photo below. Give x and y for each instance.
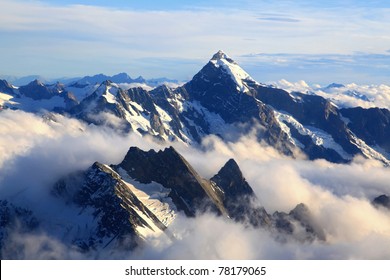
(36, 152)
(347, 96)
(300, 86)
(374, 96)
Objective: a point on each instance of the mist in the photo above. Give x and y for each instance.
(35, 152)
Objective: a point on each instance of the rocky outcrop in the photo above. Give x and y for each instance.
(382, 200)
(371, 125)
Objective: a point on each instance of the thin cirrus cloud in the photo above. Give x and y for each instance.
(280, 19)
(325, 68)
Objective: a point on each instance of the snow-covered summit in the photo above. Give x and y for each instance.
(108, 90)
(222, 55)
(221, 59)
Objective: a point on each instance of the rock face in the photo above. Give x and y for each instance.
(238, 197)
(312, 111)
(371, 125)
(38, 91)
(298, 220)
(96, 192)
(5, 87)
(232, 182)
(382, 200)
(189, 191)
(227, 193)
(115, 213)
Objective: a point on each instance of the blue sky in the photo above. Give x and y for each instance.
(316, 41)
(185, 4)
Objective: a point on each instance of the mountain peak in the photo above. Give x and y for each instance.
(223, 61)
(103, 87)
(221, 55)
(6, 87)
(121, 75)
(106, 83)
(36, 82)
(231, 180)
(37, 90)
(335, 85)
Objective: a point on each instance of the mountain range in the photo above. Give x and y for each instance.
(118, 206)
(220, 96)
(120, 78)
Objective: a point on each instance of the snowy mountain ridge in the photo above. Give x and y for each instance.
(220, 96)
(123, 206)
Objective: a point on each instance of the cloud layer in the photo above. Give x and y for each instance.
(36, 152)
(346, 96)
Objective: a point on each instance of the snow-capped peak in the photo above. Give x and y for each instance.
(108, 90)
(221, 55)
(220, 59)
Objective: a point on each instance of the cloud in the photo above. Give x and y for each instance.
(39, 246)
(279, 19)
(353, 95)
(323, 68)
(37, 152)
(50, 36)
(227, 240)
(300, 86)
(347, 96)
(230, 240)
(325, 58)
(216, 152)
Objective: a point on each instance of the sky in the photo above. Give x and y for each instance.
(316, 41)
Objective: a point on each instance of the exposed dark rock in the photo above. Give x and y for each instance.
(238, 197)
(371, 125)
(5, 87)
(315, 111)
(382, 200)
(300, 216)
(38, 91)
(116, 209)
(189, 191)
